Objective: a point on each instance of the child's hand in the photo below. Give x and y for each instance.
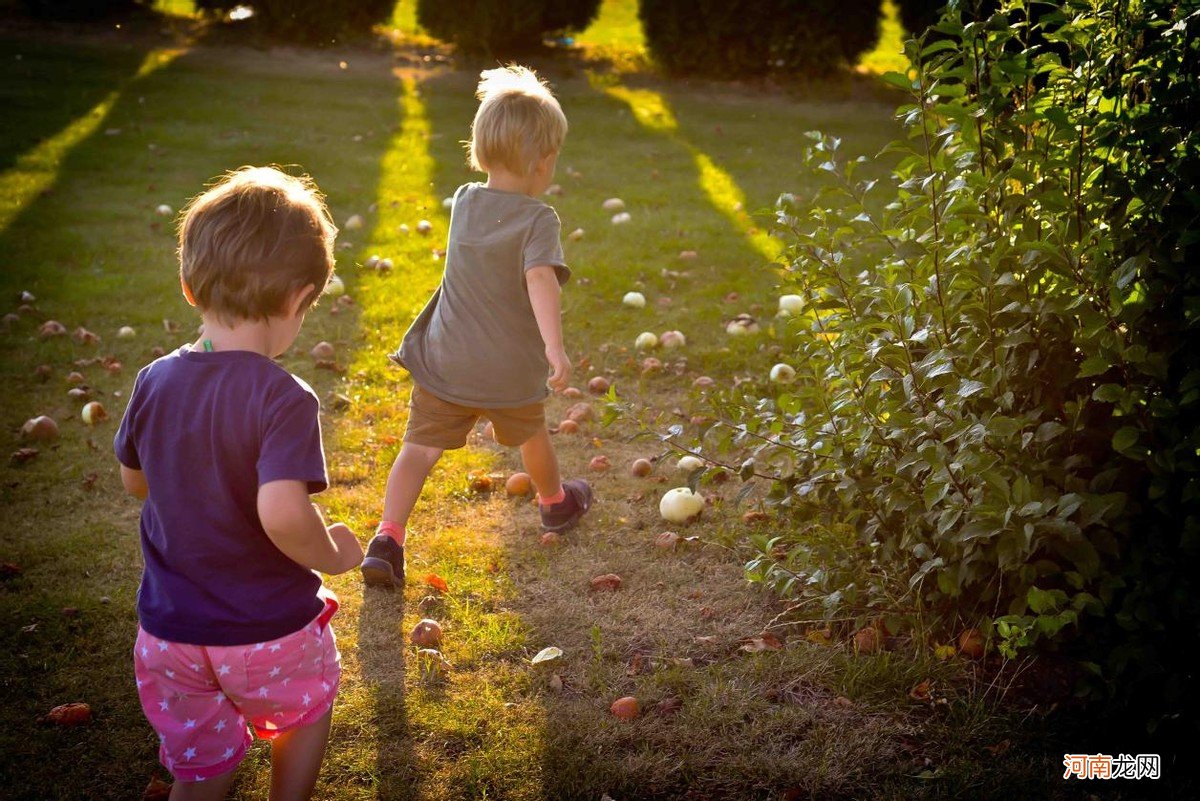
(350, 552)
(560, 368)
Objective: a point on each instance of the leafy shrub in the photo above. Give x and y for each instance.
(730, 38)
(503, 26)
(309, 21)
(996, 410)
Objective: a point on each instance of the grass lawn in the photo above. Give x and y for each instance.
(101, 129)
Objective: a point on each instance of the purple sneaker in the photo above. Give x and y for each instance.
(383, 566)
(566, 513)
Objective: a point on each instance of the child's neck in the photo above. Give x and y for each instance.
(510, 182)
(254, 336)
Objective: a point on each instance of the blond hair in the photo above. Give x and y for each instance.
(251, 240)
(518, 122)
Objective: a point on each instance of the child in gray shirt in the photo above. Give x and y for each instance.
(486, 341)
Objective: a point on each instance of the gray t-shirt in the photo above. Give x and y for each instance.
(476, 342)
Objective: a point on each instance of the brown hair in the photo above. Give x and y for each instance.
(518, 121)
(253, 238)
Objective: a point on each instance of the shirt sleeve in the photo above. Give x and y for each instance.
(291, 446)
(124, 443)
(543, 248)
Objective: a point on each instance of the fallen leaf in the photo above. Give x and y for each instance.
(999, 748)
(668, 707)
(23, 455)
(764, 642)
(922, 691)
(156, 790)
(437, 582)
(819, 637)
(546, 655)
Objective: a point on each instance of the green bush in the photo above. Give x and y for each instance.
(503, 27)
(308, 21)
(732, 38)
(995, 417)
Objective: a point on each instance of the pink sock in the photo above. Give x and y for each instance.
(393, 530)
(558, 498)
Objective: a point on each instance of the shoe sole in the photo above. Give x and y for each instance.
(378, 573)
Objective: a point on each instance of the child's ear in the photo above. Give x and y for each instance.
(187, 292)
(298, 302)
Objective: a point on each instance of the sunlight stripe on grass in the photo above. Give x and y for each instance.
(36, 169)
(654, 113)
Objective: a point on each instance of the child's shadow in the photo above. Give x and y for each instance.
(382, 654)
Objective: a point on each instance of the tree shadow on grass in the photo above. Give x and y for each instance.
(96, 254)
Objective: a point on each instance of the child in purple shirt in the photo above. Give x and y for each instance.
(224, 447)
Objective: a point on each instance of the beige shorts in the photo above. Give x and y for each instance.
(437, 423)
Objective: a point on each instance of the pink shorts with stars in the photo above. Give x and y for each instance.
(202, 700)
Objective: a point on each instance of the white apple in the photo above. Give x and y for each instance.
(680, 505)
(689, 464)
(424, 226)
(791, 304)
(621, 219)
(613, 204)
(646, 341)
(353, 222)
(672, 339)
(335, 288)
(164, 210)
(126, 332)
(783, 374)
(634, 300)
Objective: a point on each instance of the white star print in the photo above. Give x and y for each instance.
(189, 724)
(228, 753)
(220, 725)
(324, 686)
(170, 674)
(258, 647)
(286, 679)
(163, 705)
(306, 699)
(262, 692)
(220, 697)
(276, 647)
(139, 684)
(145, 651)
(189, 754)
(223, 670)
(162, 646)
(195, 667)
(275, 671)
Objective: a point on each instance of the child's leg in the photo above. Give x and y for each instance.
(296, 759)
(213, 789)
(405, 481)
(541, 463)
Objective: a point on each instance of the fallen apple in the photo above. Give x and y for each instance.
(625, 708)
(75, 714)
(75, 378)
(581, 412)
(575, 235)
(568, 427)
(372, 262)
(86, 337)
(651, 365)
(335, 287)
(353, 222)
(518, 484)
(783, 374)
(447, 203)
(613, 204)
(93, 413)
(599, 464)
(323, 351)
(741, 325)
(791, 304)
(634, 300)
(551, 539)
(641, 468)
(646, 341)
(704, 382)
(621, 218)
(11, 319)
(672, 339)
(42, 372)
(598, 385)
(480, 482)
(609, 582)
(424, 226)
(426, 634)
(40, 429)
(680, 505)
(164, 210)
(688, 255)
(126, 332)
(971, 644)
(689, 464)
(27, 297)
(572, 392)
(384, 266)
(79, 394)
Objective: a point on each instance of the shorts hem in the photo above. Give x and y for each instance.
(211, 771)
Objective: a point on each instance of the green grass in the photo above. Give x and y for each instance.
(145, 123)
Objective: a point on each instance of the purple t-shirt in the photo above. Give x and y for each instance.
(208, 429)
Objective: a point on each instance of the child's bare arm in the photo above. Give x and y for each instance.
(135, 482)
(296, 528)
(545, 296)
